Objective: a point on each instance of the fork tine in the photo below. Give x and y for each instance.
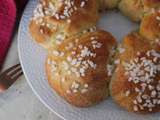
(15, 71)
(17, 76)
(10, 69)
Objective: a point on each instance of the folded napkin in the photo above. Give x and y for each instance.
(9, 9)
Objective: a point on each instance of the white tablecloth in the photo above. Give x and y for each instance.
(19, 102)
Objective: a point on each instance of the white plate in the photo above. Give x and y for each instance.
(32, 58)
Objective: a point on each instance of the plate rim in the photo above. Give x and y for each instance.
(21, 62)
(20, 30)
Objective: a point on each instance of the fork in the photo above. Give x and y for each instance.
(9, 76)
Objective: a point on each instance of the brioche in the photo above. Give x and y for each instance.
(110, 4)
(150, 26)
(132, 9)
(77, 70)
(150, 4)
(135, 85)
(53, 21)
(135, 9)
(84, 63)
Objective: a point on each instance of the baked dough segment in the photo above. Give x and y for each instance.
(111, 4)
(54, 20)
(136, 9)
(135, 85)
(150, 4)
(150, 26)
(79, 63)
(133, 9)
(77, 70)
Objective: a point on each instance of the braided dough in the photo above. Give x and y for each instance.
(135, 84)
(83, 60)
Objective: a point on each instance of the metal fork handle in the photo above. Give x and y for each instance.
(6, 79)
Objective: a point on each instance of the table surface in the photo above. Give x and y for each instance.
(19, 102)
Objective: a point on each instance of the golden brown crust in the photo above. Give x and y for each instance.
(136, 9)
(125, 90)
(88, 84)
(132, 9)
(150, 26)
(78, 65)
(111, 4)
(101, 5)
(48, 23)
(149, 4)
(44, 28)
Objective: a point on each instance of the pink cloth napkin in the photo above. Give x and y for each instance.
(8, 13)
